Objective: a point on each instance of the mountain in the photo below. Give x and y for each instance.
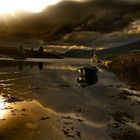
(103, 53)
(20, 53)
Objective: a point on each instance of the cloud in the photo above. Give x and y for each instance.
(62, 22)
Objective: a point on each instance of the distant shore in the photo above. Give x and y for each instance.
(23, 53)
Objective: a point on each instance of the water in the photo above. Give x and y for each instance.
(42, 100)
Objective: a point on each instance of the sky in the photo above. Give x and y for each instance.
(71, 22)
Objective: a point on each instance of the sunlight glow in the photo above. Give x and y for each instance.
(2, 103)
(13, 6)
(2, 107)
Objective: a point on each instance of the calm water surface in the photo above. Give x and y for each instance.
(42, 100)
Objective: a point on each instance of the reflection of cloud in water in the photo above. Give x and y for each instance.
(34, 110)
(2, 104)
(3, 111)
(106, 77)
(55, 93)
(25, 116)
(134, 125)
(13, 79)
(133, 94)
(84, 120)
(2, 73)
(61, 67)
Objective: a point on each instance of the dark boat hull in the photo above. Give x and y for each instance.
(88, 70)
(87, 76)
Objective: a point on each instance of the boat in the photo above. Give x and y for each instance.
(87, 76)
(89, 70)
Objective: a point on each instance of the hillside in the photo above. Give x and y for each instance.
(127, 68)
(19, 53)
(103, 53)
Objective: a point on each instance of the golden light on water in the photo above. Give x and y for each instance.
(2, 107)
(2, 103)
(13, 6)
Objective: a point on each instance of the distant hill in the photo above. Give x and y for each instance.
(102, 53)
(122, 49)
(78, 53)
(14, 52)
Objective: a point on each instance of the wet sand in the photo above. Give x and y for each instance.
(44, 101)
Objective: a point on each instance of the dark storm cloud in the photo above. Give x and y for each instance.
(103, 16)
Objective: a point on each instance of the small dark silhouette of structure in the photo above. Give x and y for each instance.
(31, 52)
(21, 48)
(21, 53)
(41, 49)
(40, 52)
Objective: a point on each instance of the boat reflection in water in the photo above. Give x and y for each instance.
(87, 76)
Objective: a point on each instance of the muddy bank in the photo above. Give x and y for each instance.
(127, 68)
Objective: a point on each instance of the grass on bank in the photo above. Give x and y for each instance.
(127, 67)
